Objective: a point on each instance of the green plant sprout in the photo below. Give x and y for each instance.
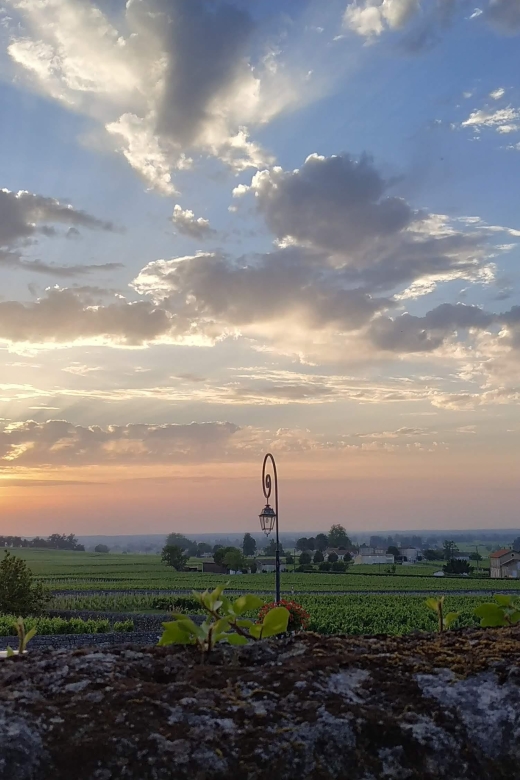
(505, 612)
(224, 622)
(437, 605)
(23, 637)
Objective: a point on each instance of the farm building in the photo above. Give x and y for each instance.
(373, 555)
(269, 564)
(504, 564)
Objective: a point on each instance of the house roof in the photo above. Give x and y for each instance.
(500, 553)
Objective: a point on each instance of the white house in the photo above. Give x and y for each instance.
(269, 564)
(372, 555)
(410, 554)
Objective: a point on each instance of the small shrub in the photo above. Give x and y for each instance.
(224, 622)
(298, 617)
(437, 605)
(504, 612)
(123, 626)
(19, 594)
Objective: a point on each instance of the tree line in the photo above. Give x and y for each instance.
(52, 542)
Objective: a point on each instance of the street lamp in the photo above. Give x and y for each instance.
(269, 516)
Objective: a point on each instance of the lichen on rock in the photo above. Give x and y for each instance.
(305, 706)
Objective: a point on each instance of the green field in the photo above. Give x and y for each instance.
(108, 582)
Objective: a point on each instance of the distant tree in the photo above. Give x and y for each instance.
(332, 557)
(304, 558)
(302, 544)
(289, 559)
(393, 550)
(475, 556)
(321, 542)
(311, 544)
(234, 559)
(318, 557)
(101, 548)
(455, 566)
(433, 555)
(325, 566)
(339, 566)
(516, 544)
(450, 549)
(19, 594)
(338, 537)
(253, 566)
(271, 548)
(179, 540)
(376, 541)
(219, 553)
(172, 555)
(203, 548)
(217, 547)
(248, 545)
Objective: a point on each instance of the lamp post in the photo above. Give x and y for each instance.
(269, 516)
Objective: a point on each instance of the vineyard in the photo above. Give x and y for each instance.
(356, 602)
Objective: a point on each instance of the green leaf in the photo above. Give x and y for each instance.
(256, 630)
(247, 603)
(514, 617)
(432, 604)
(29, 635)
(227, 607)
(490, 615)
(180, 632)
(221, 626)
(502, 600)
(243, 623)
(10, 651)
(450, 618)
(237, 639)
(275, 622)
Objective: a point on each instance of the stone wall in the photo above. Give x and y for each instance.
(418, 707)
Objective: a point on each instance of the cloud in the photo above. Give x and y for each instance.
(504, 16)
(187, 224)
(24, 217)
(343, 210)
(63, 317)
(172, 79)
(409, 333)
(58, 442)
(423, 24)
(496, 94)
(374, 16)
(502, 120)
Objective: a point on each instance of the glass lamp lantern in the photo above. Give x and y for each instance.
(267, 519)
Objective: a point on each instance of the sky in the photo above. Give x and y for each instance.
(232, 228)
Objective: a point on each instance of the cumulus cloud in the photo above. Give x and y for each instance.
(343, 209)
(63, 317)
(171, 79)
(423, 23)
(374, 16)
(189, 225)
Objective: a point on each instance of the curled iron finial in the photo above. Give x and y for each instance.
(266, 478)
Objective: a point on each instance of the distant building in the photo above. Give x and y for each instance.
(461, 558)
(269, 564)
(504, 564)
(370, 556)
(409, 555)
(339, 552)
(209, 567)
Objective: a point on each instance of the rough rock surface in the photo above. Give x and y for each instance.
(306, 706)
